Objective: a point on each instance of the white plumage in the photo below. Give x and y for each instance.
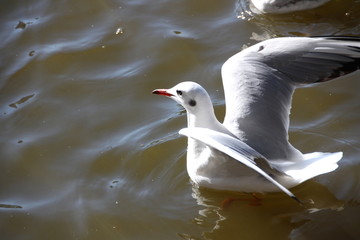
(259, 83)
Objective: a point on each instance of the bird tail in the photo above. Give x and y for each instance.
(312, 165)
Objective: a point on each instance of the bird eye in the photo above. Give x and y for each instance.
(192, 103)
(179, 92)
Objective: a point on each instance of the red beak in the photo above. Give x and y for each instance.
(162, 92)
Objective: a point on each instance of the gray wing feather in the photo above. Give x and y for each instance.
(259, 83)
(297, 58)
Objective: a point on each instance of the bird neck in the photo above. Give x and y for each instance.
(204, 119)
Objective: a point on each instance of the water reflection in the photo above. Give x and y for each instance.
(277, 216)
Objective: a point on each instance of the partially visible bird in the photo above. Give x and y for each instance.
(286, 6)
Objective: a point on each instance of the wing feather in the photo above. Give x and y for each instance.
(234, 148)
(259, 83)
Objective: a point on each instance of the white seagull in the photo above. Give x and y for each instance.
(286, 6)
(250, 151)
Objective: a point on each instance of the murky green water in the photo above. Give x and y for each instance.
(87, 152)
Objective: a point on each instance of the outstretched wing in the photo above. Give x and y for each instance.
(234, 148)
(260, 80)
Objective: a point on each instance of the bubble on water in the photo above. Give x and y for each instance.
(120, 30)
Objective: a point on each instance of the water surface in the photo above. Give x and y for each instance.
(87, 152)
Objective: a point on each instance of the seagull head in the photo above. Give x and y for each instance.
(190, 95)
(196, 102)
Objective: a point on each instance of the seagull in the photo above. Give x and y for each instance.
(250, 151)
(286, 6)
